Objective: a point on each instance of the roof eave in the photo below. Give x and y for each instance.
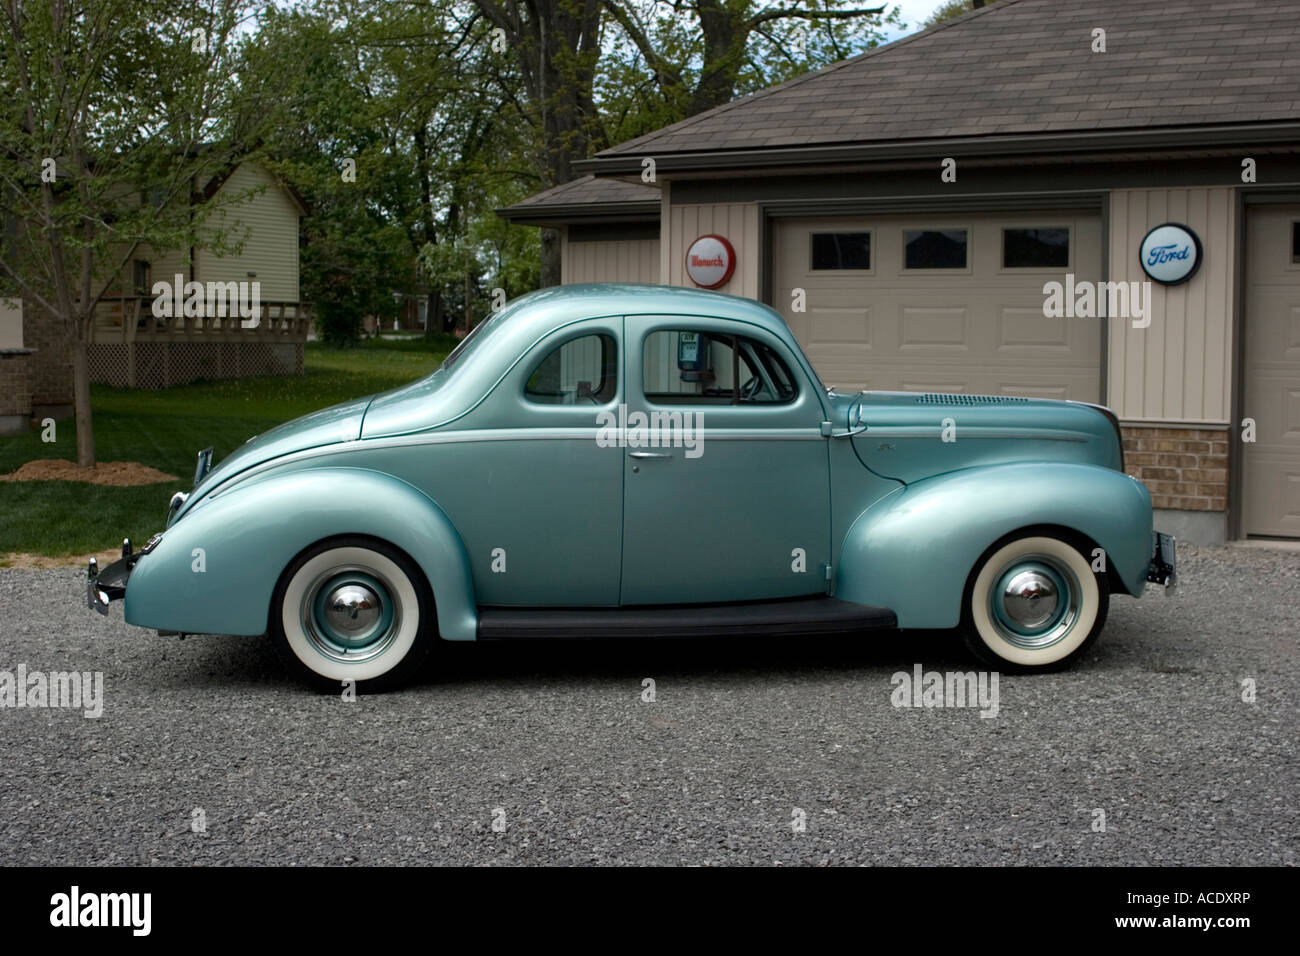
(1010, 145)
(562, 214)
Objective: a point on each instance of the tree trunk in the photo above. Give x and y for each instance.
(724, 52)
(433, 322)
(550, 257)
(557, 43)
(81, 398)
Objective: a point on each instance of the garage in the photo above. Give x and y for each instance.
(1271, 385)
(905, 228)
(949, 303)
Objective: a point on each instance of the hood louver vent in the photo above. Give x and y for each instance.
(936, 398)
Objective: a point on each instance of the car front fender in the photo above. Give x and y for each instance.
(914, 549)
(214, 571)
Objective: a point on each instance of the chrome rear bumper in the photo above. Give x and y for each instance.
(106, 585)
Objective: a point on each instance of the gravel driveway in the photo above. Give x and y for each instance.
(751, 752)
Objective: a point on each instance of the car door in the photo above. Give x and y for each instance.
(540, 501)
(725, 468)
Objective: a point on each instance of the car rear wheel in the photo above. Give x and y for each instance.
(353, 609)
(1034, 603)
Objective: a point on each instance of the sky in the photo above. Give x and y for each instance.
(914, 11)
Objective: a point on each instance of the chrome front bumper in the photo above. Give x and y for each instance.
(106, 585)
(1163, 569)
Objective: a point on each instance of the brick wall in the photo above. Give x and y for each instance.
(15, 392)
(1185, 468)
(51, 366)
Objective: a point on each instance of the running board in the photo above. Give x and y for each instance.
(818, 615)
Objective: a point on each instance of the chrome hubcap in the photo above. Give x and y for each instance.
(349, 614)
(1030, 599)
(1034, 601)
(352, 609)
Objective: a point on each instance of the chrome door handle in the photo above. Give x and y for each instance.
(648, 454)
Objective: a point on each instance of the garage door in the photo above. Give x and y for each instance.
(942, 303)
(1271, 491)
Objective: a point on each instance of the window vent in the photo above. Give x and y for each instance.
(936, 398)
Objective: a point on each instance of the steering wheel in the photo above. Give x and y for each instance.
(753, 385)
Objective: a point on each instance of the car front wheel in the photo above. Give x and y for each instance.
(1034, 603)
(353, 609)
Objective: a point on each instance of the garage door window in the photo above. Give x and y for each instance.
(934, 248)
(1036, 248)
(582, 371)
(841, 250)
(1295, 242)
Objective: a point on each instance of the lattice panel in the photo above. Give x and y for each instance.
(164, 364)
(108, 364)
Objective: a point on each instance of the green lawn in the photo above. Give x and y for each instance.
(164, 429)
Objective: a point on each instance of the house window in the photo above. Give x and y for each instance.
(1035, 248)
(582, 371)
(841, 250)
(690, 367)
(140, 284)
(934, 248)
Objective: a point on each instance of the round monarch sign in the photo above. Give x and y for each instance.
(710, 261)
(1171, 253)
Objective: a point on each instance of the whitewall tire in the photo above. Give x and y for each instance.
(1034, 603)
(353, 609)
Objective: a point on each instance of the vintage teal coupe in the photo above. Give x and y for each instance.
(628, 461)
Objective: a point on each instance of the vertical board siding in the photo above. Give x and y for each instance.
(737, 222)
(1177, 369)
(624, 260)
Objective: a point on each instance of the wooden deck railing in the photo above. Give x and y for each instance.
(130, 319)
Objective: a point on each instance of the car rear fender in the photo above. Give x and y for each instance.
(215, 571)
(914, 549)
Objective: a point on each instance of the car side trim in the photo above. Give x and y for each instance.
(514, 434)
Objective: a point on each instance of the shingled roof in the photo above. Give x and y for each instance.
(1020, 68)
(584, 197)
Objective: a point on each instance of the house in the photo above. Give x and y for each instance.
(1093, 201)
(221, 314)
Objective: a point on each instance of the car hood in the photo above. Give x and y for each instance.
(909, 436)
(329, 426)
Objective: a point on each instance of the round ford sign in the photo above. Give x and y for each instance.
(1171, 253)
(710, 261)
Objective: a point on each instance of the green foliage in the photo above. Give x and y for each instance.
(661, 57)
(164, 429)
(113, 111)
(951, 9)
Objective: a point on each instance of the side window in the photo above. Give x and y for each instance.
(582, 371)
(690, 367)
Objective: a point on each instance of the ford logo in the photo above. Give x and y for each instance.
(1170, 253)
(1167, 253)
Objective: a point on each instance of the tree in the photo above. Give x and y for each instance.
(702, 53)
(557, 45)
(109, 141)
(401, 130)
(952, 9)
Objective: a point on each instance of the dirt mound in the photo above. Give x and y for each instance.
(27, 560)
(117, 473)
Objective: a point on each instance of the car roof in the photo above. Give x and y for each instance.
(545, 309)
(505, 337)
